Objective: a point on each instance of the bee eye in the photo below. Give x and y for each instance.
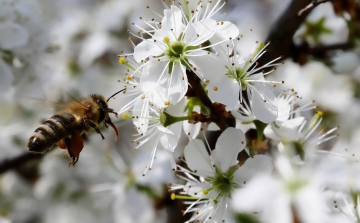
(102, 104)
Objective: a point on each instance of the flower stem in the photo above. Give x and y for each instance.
(169, 119)
(260, 126)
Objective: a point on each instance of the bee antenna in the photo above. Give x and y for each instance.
(115, 94)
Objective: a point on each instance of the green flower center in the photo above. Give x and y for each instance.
(175, 50)
(295, 185)
(224, 182)
(239, 75)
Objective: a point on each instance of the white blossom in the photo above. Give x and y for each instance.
(295, 192)
(244, 74)
(213, 178)
(175, 46)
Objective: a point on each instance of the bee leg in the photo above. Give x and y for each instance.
(77, 144)
(69, 153)
(93, 125)
(109, 110)
(99, 132)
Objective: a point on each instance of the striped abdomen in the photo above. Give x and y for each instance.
(51, 131)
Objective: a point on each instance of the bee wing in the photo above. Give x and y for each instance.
(58, 106)
(48, 104)
(78, 103)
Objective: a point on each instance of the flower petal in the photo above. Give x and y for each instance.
(172, 22)
(228, 145)
(12, 35)
(225, 92)
(264, 102)
(141, 114)
(151, 78)
(178, 84)
(6, 77)
(253, 198)
(196, 189)
(146, 49)
(192, 130)
(288, 130)
(199, 32)
(259, 164)
(160, 86)
(197, 158)
(227, 30)
(284, 108)
(207, 66)
(269, 133)
(168, 139)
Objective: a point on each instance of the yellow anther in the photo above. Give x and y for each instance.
(125, 116)
(173, 196)
(143, 97)
(128, 77)
(122, 60)
(166, 39)
(320, 113)
(215, 88)
(205, 192)
(167, 102)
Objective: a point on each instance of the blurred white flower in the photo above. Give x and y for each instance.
(295, 193)
(4, 220)
(346, 62)
(337, 27)
(24, 36)
(315, 81)
(6, 77)
(213, 179)
(23, 31)
(347, 206)
(130, 193)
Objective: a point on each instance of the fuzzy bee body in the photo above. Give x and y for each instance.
(52, 131)
(73, 120)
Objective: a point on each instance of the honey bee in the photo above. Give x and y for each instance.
(71, 122)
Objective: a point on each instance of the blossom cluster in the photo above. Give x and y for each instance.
(276, 179)
(220, 133)
(23, 37)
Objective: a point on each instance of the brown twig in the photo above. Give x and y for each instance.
(17, 161)
(325, 48)
(312, 5)
(300, 52)
(199, 91)
(283, 30)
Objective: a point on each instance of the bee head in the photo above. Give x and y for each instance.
(104, 111)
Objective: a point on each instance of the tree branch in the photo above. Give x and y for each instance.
(17, 161)
(312, 5)
(282, 32)
(300, 52)
(199, 91)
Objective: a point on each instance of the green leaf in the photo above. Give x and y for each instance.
(246, 218)
(316, 29)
